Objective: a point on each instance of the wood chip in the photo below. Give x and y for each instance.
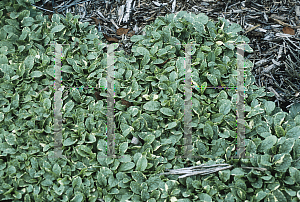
(121, 31)
(131, 33)
(288, 30)
(96, 20)
(110, 39)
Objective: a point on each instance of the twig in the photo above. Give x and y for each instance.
(297, 159)
(44, 89)
(257, 168)
(190, 171)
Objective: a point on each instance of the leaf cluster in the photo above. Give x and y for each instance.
(149, 92)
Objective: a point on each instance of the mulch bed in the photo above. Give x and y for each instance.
(273, 28)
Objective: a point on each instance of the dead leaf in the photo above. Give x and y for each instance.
(110, 39)
(124, 102)
(50, 16)
(161, 64)
(8, 14)
(131, 33)
(96, 20)
(121, 31)
(98, 96)
(288, 30)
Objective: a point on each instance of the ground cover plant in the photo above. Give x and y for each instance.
(152, 81)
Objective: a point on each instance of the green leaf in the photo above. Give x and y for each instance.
(229, 45)
(161, 52)
(135, 187)
(170, 153)
(282, 162)
(57, 28)
(167, 111)
(58, 190)
(141, 163)
(152, 106)
(145, 195)
(260, 195)
(47, 103)
(156, 35)
(29, 62)
(101, 179)
(267, 143)
(126, 129)
(149, 139)
(69, 106)
(78, 197)
(83, 151)
(212, 79)
(136, 38)
(269, 107)
(295, 174)
(153, 183)
(154, 49)
(205, 48)
(76, 95)
(294, 110)
(280, 132)
(14, 15)
(47, 183)
(10, 29)
(24, 34)
(279, 195)
(224, 175)
(158, 61)
(11, 139)
(205, 197)
(126, 166)
(27, 21)
(91, 56)
(128, 74)
(217, 118)
(123, 147)
(287, 146)
(241, 194)
(56, 169)
(225, 106)
(173, 76)
(69, 141)
(234, 28)
(142, 51)
(208, 131)
(138, 176)
(171, 125)
(279, 118)
(145, 60)
(218, 51)
(293, 133)
(1, 116)
(290, 191)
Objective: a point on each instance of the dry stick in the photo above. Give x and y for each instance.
(44, 89)
(284, 24)
(189, 172)
(252, 28)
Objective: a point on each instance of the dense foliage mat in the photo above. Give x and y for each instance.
(152, 80)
